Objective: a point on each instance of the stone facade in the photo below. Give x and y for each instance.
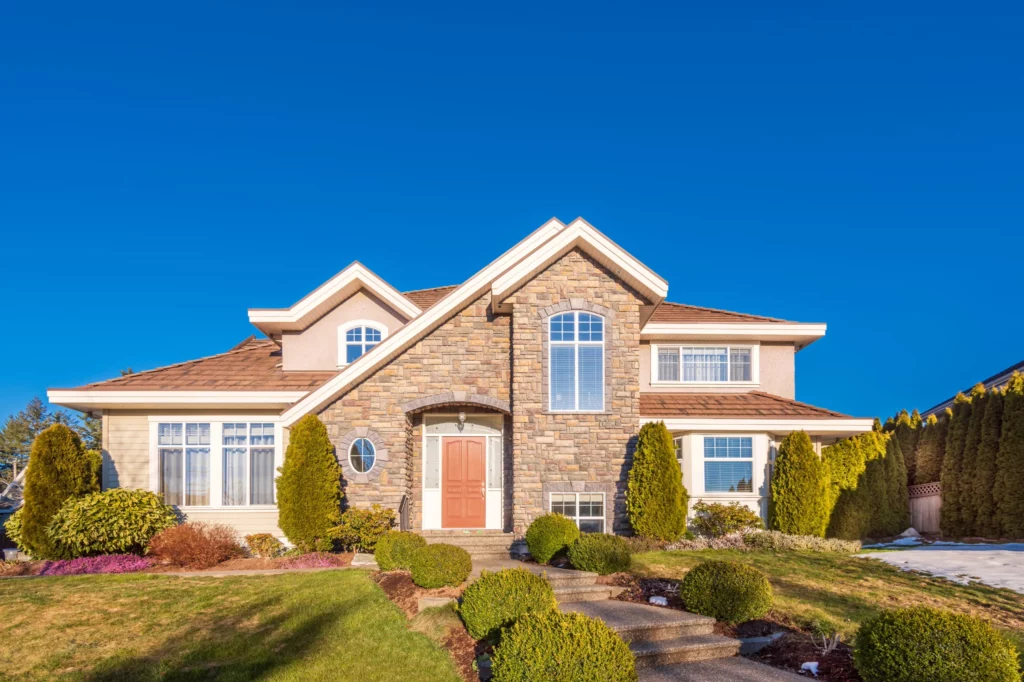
(498, 363)
(469, 353)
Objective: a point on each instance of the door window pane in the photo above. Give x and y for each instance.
(494, 462)
(431, 463)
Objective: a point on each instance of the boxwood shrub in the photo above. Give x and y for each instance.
(441, 565)
(263, 545)
(715, 520)
(568, 647)
(727, 591)
(921, 643)
(395, 550)
(549, 535)
(495, 600)
(116, 521)
(600, 553)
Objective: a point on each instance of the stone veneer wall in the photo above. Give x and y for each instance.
(585, 452)
(469, 352)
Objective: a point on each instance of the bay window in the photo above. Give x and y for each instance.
(728, 464)
(576, 352)
(704, 364)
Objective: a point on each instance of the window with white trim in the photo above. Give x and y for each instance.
(705, 364)
(586, 509)
(248, 464)
(358, 341)
(677, 444)
(728, 464)
(184, 451)
(576, 362)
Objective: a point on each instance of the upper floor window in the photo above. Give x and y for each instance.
(705, 364)
(356, 341)
(576, 346)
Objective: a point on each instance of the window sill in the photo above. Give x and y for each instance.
(731, 496)
(229, 508)
(709, 384)
(576, 412)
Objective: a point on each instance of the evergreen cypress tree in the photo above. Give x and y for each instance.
(848, 515)
(59, 467)
(875, 488)
(986, 523)
(969, 462)
(907, 429)
(929, 451)
(1009, 484)
(656, 501)
(897, 499)
(800, 488)
(951, 521)
(309, 487)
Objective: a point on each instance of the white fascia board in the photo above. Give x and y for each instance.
(309, 306)
(87, 400)
(796, 331)
(580, 234)
(837, 426)
(411, 332)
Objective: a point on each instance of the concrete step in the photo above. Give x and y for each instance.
(735, 669)
(561, 577)
(683, 650)
(573, 595)
(641, 623)
(480, 555)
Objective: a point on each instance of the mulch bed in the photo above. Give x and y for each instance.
(640, 590)
(797, 648)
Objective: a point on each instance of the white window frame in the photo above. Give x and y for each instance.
(248, 447)
(372, 447)
(183, 447)
(352, 324)
(576, 496)
(216, 422)
(755, 364)
(704, 460)
(575, 344)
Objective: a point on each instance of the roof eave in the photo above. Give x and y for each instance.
(801, 334)
(92, 400)
(830, 426)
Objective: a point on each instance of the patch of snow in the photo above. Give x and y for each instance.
(995, 565)
(812, 668)
(658, 601)
(910, 533)
(908, 541)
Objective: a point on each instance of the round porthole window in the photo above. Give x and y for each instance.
(362, 455)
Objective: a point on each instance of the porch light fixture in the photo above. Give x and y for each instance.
(462, 421)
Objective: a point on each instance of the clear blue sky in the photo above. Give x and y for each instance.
(164, 168)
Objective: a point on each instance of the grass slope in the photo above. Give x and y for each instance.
(835, 592)
(333, 625)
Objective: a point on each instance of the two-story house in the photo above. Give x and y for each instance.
(480, 405)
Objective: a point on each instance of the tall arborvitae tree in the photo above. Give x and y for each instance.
(876, 484)
(985, 522)
(1009, 484)
(309, 487)
(800, 488)
(897, 499)
(656, 500)
(951, 520)
(969, 462)
(930, 448)
(907, 429)
(849, 511)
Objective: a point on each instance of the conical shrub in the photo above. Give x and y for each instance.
(985, 522)
(951, 520)
(969, 462)
(1008, 489)
(930, 449)
(309, 487)
(897, 498)
(656, 499)
(800, 488)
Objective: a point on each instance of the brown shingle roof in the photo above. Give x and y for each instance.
(253, 365)
(425, 298)
(682, 313)
(753, 405)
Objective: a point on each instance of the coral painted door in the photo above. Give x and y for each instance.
(463, 487)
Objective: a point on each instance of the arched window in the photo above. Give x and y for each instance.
(576, 369)
(357, 338)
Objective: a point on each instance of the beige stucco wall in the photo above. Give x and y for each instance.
(777, 372)
(316, 347)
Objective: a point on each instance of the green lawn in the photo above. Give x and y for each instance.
(832, 591)
(332, 625)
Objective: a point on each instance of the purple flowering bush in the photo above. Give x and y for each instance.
(107, 563)
(312, 560)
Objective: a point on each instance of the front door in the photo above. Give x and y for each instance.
(463, 485)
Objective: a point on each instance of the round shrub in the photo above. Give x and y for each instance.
(549, 535)
(195, 545)
(497, 599)
(727, 591)
(116, 521)
(396, 549)
(600, 553)
(715, 520)
(263, 545)
(921, 643)
(568, 647)
(360, 529)
(441, 565)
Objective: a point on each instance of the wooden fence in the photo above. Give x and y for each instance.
(925, 504)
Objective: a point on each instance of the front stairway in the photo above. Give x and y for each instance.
(482, 545)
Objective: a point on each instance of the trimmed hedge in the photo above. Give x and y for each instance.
(715, 520)
(727, 591)
(656, 500)
(496, 600)
(395, 550)
(921, 643)
(800, 488)
(309, 487)
(550, 535)
(600, 553)
(441, 565)
(59, 469)
(569, 647)
(116, 521)
(360, 529)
